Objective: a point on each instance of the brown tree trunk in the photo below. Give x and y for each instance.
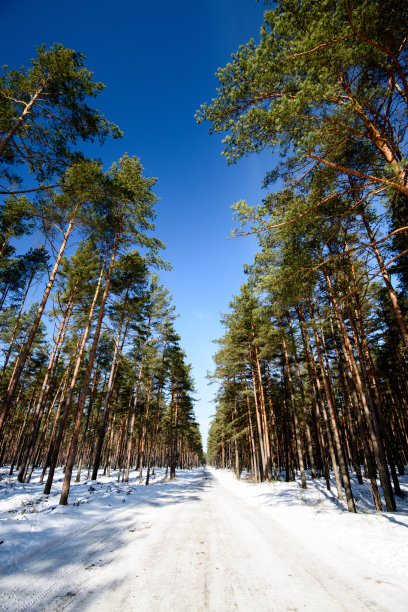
(261, 437)
(252, 447)
(302, 395)
(377, 446)
(265, 426)
(17, 374)
(24, 115)
(106, 408)
(144, 429)
(333, 420)
(14, 332)
(274, 447)
(39, 411)
(387, 281)
(294, 412)
(88, 416)
(155, 425)
(78, 416)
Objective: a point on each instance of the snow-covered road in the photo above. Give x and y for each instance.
(196, 544)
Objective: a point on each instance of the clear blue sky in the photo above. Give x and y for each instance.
(157, 60)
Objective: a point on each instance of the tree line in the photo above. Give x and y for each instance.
(92, 374)
(312, 368)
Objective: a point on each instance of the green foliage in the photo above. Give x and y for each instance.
(320, 66)
(116, 351)
(44, 112)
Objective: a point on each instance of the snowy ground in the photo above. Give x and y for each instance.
(29, 519)
(202, 542)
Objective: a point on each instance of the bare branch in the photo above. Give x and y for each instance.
(321, 46)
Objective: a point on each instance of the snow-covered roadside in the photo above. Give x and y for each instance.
(203, 541)
(319, 522)
(30, 520)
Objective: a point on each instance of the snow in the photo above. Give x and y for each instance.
(203, 541)
(322, 523)
(30, 520)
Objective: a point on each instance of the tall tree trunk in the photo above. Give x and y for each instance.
(24, 115)
(144, 429)
(252, 447)
(39, 411)
(259, 423)
(133, 415)
(17, 374)
(15, 328)
(266, 443)
(56, 444)
(64, 385)
(88, 416)
(303, 400)
(155, 425)
(106, 407)
(274, 446)
(173, 462)
(376, 442)
(294, 412)
(333, 420)
(78, 416)
(387, 281)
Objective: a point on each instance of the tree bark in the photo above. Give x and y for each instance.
(78, 416)
(16, 377)
(294, 412)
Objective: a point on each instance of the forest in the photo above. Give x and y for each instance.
(312, 367)
(128, 324)
(92, 372)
